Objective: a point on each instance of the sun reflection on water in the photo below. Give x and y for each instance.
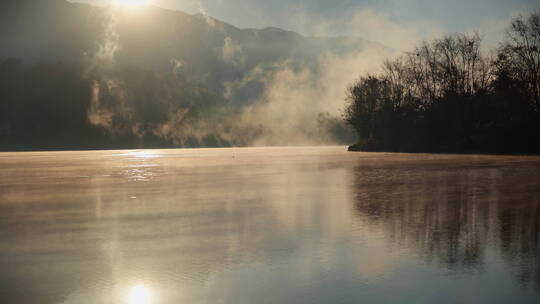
(143, 154)
(139, 294)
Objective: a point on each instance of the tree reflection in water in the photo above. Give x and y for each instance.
(452, 215)
(310, 224)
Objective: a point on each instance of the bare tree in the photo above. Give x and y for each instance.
(519, 55)
(446, 95)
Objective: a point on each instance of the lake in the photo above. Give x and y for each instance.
(268, 225)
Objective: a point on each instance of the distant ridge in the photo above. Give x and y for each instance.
(211, 52)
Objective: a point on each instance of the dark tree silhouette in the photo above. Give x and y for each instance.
(446, 96)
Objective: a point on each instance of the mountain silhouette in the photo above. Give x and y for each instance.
(211, 52)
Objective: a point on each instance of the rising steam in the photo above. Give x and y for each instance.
(286, 113)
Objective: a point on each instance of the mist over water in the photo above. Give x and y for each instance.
(267, 225)
(277, 117)
(270, 223)
(275, 101)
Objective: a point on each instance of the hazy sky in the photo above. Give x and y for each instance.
(424, 18)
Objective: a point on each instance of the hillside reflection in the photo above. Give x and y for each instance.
(279, 225)
(453, 216)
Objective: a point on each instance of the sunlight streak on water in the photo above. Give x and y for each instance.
(142, 154)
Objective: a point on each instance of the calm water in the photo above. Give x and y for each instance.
(268, 225)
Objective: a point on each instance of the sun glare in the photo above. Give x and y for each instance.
(139, 295)
(132, 3)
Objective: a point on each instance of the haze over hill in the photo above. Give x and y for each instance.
(259, 74)
(210, 52)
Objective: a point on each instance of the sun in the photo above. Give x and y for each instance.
(132, 3)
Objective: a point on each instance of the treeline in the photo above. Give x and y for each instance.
(447, 95)
(69, 106)
(78, 105)
(158, 79)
